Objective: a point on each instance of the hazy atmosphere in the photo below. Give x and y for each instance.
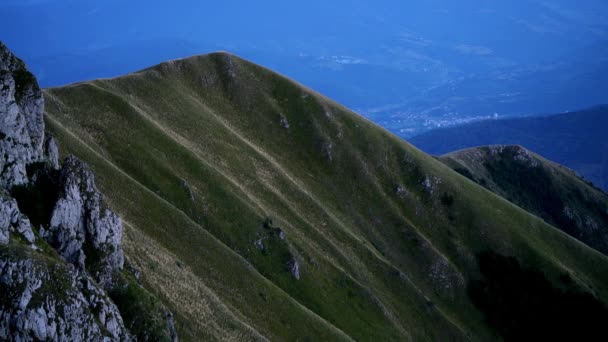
(408, 65)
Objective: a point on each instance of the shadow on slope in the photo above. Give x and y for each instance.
(523, 305)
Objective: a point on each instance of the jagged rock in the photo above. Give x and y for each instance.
(12, 221)
(402, 192)
(51, 151)
(46, 301)
(4, 228)
(188, 188)
(171, 326)
(294, 268)
(80, 219)
(21, 121)
(430, 184)
(284, 122)
(327, 112)
(136, 272)
(4, 233)
(328, 151)
(259, 243)
(517, 152)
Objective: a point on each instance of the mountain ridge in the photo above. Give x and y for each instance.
(168, 64)
(271, 175)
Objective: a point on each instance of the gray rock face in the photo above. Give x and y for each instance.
(294, 269)
(80, 218)
(12, 221)
(51, 151)
(171, 326)
(42, 301)
(21, 121)
(4, 232)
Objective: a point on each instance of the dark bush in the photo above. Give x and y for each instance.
(23, 80)
(447, 199)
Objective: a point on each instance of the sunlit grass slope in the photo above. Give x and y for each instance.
(235, 181)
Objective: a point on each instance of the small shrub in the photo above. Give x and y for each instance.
(447, 199)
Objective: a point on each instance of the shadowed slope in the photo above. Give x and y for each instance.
(547, 190)
(296, 216)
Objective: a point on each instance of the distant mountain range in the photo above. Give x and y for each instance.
(577, 140)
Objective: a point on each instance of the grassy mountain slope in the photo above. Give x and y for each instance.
(258, 209)
(577, 140)
(548, 190)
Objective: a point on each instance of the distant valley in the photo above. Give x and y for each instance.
(577, 140)
(389, 62)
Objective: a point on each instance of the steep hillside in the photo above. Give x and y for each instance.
(548, 190)
(257, 209)
(577, 140)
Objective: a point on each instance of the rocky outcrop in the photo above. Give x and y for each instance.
(514, 152)
(171, 326)
(46, 299)
(271, 241)
(42, 300)
(4, 228)
(12, 221)
(21, 125)
(51, 151)
(81, 221)
(294, 269)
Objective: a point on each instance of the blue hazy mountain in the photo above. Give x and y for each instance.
(577, 140)
(410, 66)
